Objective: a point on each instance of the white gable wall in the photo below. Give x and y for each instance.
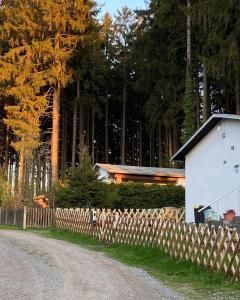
(210, 170)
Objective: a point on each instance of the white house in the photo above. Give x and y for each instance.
(122, 173)
(212, 165)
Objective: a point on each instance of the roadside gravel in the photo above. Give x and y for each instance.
(34, 267)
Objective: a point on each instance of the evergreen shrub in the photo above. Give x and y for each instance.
(83, 189)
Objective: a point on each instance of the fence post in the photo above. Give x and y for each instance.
(24, 217)
(0, 215)
(6, 216)
(14, 216)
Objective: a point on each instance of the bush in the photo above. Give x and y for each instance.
(136, 195)
(83, 189)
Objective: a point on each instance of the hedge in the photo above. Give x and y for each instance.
(131, 195)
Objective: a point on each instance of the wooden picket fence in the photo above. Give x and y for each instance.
(12, 216)
(217, 250)
(26, 217)
(39, 217)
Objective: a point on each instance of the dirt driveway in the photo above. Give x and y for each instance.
(34, 267)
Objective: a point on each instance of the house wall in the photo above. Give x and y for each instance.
(212, 169)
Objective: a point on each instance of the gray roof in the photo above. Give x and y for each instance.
(201, 133)
(143, 171)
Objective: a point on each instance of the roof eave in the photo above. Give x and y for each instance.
(199, 135)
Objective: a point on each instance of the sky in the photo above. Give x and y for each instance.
(112, 5)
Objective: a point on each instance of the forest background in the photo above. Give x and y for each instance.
(125, 89)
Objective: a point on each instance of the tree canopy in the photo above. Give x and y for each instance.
(129, 88)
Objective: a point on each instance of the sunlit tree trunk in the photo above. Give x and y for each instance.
(55, 133)
(6, 162)
(74, 137)
(64, 146)
(16, 176)
(21, 175)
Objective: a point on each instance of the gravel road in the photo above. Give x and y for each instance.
(34, 267)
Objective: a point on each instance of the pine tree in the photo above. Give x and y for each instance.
(22, 79)
(189, 120)
(65, 26)
(54, 28)
(122, 30)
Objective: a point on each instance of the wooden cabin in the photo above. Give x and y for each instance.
(122, 173)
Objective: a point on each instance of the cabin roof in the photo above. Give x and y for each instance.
(201, 133)
(142, 171)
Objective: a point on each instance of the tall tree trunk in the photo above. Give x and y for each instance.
(189, 34)
(151, 151)
(6, 162)
(55, 133)
(93, 136)
(21, 175)
(160, 152)
(206, 104)
(140, 144)
(174, 137)
(123, 136)
(81, 121)
(27, 174)
(87, 121)
(238, 91)
(64, 146)
(170, 143)
(106, 130)
(16, 176)
(44, 176)
(97, 153)
(133, 146)
(39, 176)
(10, 172)
(33, 178)
(198, 98)
(74, 137)
(93, 116)
(50, 182)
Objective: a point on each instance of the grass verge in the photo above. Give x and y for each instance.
(8, 227)
(185, 278)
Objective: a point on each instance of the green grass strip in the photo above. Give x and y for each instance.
(190, 280)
